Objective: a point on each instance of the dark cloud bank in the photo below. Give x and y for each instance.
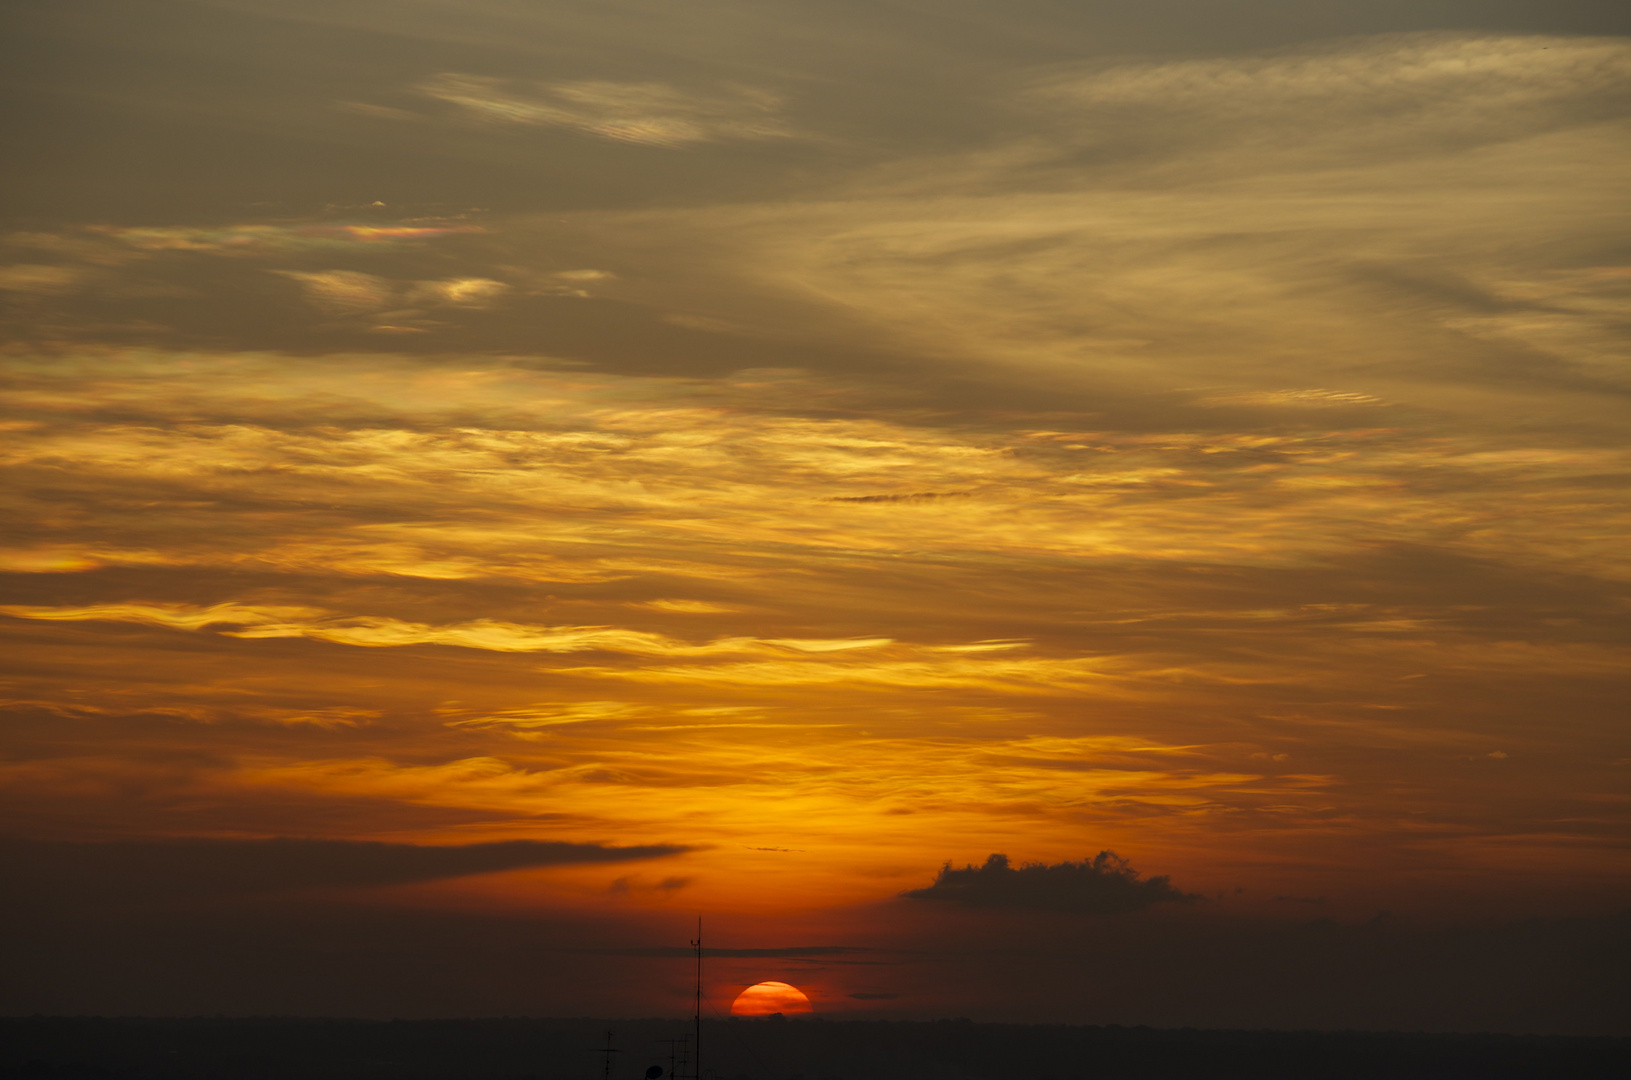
(55, 874)
(1103, 885)
(795, 951)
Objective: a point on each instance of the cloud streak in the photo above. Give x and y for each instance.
(261, 622)
(648, 113)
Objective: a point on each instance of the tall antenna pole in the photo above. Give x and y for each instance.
(696, 1020)
(676, 1056)
(606, 1058)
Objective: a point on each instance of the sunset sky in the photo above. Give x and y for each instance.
(757, 453)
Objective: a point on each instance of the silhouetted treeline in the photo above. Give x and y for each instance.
(54, 1048)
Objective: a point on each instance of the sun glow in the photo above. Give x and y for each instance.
(769, 998)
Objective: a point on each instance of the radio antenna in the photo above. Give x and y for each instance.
(606, 1058)
(696, 1019)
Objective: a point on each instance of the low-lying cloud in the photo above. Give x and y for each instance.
(787, 952)
(59, 872)
(1103, 885)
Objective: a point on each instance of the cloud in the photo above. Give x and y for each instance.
(613, 487)
(793, 780)
(351, 292)
(1314, 398)
(190, 868)
(686, 607)
(651, 113)
(785, 952)
(1038, 675)
(256, 238)
(920, 496)
(344, 292)
(827, 645)
(466, 292)
(40, 279)
(1101, 886)
(1290, 218)
(330, 718)
(1389, 89)
(170, 616)
(63, 559)
(553, 715)
(255, 621)
(1391, 69)
(665, 888)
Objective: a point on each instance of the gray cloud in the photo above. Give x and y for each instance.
(789, 951)
(1101, 886)
(652, 113)
(193, 868)
(1391, 77)
(917, 496)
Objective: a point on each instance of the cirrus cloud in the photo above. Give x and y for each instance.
(649, 113)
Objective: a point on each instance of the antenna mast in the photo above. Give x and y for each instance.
(606, 1058)
(676, 1055)
(696, 1020)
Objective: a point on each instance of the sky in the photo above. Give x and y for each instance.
(489, 482)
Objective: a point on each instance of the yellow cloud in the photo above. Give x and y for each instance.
(253, 238)
(41, 279)
(332, 718)
(652, 113)
(344, 292)
(553, 715)
(254, 621)
(170, 616)
(1034, 676)
(469, 292)
(687, 607)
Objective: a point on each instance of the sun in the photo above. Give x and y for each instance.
(763, 999)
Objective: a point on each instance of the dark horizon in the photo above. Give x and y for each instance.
(749, 1049)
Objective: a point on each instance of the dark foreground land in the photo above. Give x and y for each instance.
(515, 1049)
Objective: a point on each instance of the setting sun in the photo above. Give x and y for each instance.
(768, 998)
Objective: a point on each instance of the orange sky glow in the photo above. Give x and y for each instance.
(781, 469)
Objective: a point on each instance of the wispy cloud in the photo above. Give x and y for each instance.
(1389, 89)
(655, 114)
(1074, 675)
(270, 621)
(553, 715)
(352, 292)
(41, 279)
(257, 238)
(344, 292)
